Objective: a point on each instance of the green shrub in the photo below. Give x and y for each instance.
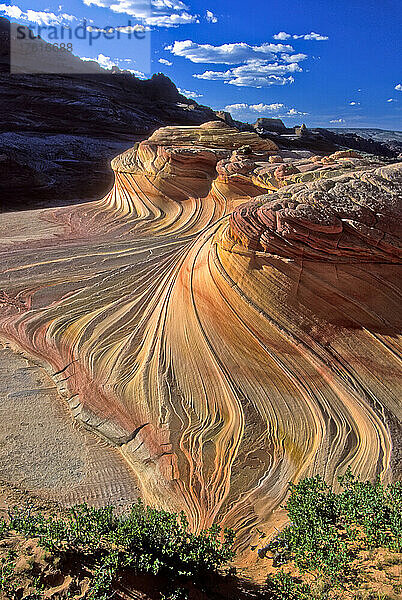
(282, 586)
(7, 566)
(146, 540)
(373, 507)
(327, 530)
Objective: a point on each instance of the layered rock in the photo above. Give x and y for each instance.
(353, 217)
(228, 322)
(187, 158)
(159, 152)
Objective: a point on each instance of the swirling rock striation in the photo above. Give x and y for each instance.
(226, 325)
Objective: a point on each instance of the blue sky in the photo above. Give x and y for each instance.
(330, 63)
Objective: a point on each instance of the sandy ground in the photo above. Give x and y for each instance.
(42, 448)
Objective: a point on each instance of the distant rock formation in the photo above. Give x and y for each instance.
(326, 141)
(270, 125)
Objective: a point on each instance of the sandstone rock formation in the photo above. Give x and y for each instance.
(226, 327)
(355, 217)
(270, 125)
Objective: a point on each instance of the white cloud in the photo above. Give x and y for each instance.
(163, 61)
(264, 107)
(246, 81)
(160, 13)
(171, 20)
(108, 63)
(138, 74)
(253, 66)
(391, 100)
(43, 18)
(255, 73)
(128, 29)
(354, 103)
(311, 36)
(295, 113)
(190, 94)
(250, 110)
(282, 35)
(338, 121)
(104, 61)
(226, 54)
(258, 108)
(14, 12)
(399, 87)
(210, 17)
(293, 58)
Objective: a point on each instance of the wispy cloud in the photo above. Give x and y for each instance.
(171, 20)
(257, 66)
(354, 103)
(226, 54)
(255, 73)
(128, 29)
(258, 108)
(293, 58)
(274, 110)
(391, 100)
(398, 87)
(163, 61)
(293, 112)
(338, 121)
(106, 62)
(158, 13)
(282, 35)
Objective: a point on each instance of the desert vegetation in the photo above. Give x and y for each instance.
(333, 540)
(106, 546)
(335, 545)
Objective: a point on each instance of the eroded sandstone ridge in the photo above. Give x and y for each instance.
(354, 217)
(228, 317)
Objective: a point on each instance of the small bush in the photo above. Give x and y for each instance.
(282, 586)
(327, 530)
(7, 566)
(374, 508)
(145, 540)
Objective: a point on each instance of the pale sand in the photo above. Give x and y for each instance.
(44, 450)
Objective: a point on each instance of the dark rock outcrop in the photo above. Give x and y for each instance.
(270, 125)
(325, 141)
(52, 125)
